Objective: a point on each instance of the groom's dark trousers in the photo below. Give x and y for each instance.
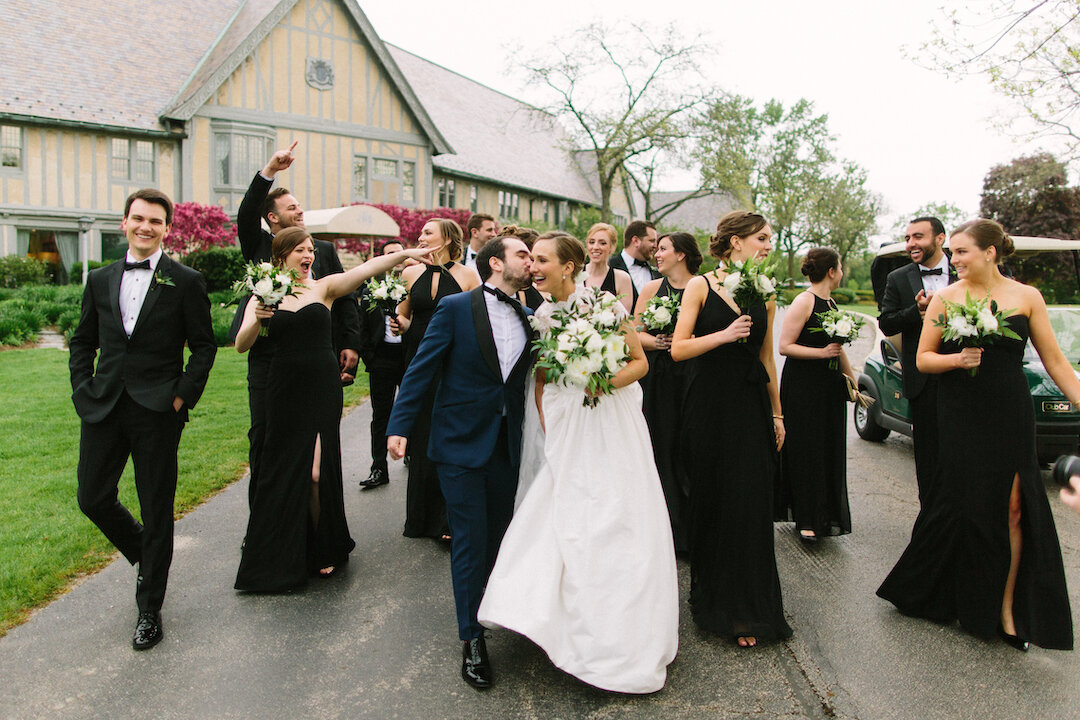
(475, 437)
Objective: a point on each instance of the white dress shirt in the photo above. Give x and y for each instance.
(640, 275)
(133, 287)
(507, 330)
(468, 257)
(936, 283)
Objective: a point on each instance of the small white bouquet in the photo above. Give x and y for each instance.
(974, 323)
(750, 282)
(270, 285)
(840, 327)
(580, 342)
(386, 293)
(661, 313)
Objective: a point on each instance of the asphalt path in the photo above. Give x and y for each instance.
(379, 640)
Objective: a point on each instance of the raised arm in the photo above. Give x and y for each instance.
(344, 283)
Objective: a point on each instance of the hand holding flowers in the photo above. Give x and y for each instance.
(385, 294)
(268, 284)
(750, 282)
(841, 327)
(973, 324)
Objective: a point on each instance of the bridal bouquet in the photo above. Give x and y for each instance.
(750, 282)
(974, 323)
(386, 293)
(840, 327)
(660, 314)
(270, 285)
(580, 343)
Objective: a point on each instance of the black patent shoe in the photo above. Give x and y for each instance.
(475, 666)
(1013, 640)
(375, 479)
(148, 632)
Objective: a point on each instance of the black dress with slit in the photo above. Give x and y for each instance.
(957, 562)
(734, 585)
(425, 508)
(303, 402)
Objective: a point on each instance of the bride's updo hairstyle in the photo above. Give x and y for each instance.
(988, 234)
(567, 249)
(737, 223)
(818, 262)
(285, 242)
(452, 235)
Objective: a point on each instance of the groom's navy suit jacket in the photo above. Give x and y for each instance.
(471, 398)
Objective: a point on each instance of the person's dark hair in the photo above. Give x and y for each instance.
(637, 228)
(524, 234)
(936, 226)
(737, 223)
(475, 222)
(818, 262)
(686, 244)
(451, 234)
(151, 195)
(285, 242)
(988, 234)
(384, 251)
(567, 248)
(270, 203)
(493, 248)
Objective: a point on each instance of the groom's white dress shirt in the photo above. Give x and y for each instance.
(507, 330)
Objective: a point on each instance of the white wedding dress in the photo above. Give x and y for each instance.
(587, 567)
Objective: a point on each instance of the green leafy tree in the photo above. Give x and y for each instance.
(950, 216)
(844, 213)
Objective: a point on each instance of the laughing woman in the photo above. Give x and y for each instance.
(297, 525)
(599, 244)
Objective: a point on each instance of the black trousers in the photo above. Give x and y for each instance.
(924, 434)
(150, 439)
(384, 377)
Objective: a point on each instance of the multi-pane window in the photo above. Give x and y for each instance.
(447, 192)
(385, 167)
(237, 157)
(408, 182)
(132, 159)
(508, 205)
(547, 212)
(359, 177)
(11, 146)
(474, 198)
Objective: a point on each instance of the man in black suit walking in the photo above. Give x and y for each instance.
(907, 293)
(137, 315)
(639, 244)
(281, 210)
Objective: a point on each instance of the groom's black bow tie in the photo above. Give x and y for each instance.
(502, 297)
(641, 264)
(141, 265)
(935, 271)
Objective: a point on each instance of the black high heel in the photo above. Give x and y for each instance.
(1013, 640)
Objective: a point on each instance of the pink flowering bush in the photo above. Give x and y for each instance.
(199, 227)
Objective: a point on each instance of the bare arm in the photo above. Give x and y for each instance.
(339, 284)
(249, 327)
(928, 359)
(638, 366)
(648, 341)
(538, 395)
(766, 356)
(624, 288)
(683, 343)
(795, 319)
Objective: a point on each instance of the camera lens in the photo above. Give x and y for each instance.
(1065, 467)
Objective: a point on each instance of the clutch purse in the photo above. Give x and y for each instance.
(853, 394)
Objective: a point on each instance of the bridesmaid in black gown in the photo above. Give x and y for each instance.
(986, 551)
(428, 283)
(599, 244)
(297, 524)
(812, 484)
(664, 388)
(733, 414)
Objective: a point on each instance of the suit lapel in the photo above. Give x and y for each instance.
(484, 337)
(152, 292)
(915, 279)
(116, 271)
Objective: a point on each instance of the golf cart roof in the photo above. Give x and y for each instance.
(1023, 243)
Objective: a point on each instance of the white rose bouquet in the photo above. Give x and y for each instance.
(974, 323)
(270, 285)
(661, 313)
(840, 327)
(580, 342)
(750, 282)
(386, 293)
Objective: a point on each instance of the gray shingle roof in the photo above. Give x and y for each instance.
(699, 214)
(506, 140)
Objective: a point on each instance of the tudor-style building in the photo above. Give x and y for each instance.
(192, 96)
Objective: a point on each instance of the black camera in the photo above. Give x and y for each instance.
(1064, 468)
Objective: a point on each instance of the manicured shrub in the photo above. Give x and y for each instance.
(844, 296)
(221, 266)
(19, 270)
(76, 269)
(20, 322)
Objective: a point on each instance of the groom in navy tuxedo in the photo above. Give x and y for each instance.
(481, 340)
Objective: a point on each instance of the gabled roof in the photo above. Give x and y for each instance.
(699, 214)
(495, 137)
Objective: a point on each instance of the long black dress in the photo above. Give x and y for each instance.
(664, 392)
(957, 562)
(812, 484)
(734, 586)
(425, 508)
(303, 400)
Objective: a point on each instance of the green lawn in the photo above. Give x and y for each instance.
(864, 308)
(45, 541)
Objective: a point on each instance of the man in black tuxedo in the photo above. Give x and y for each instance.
(907, 293)
(639, 244)
(137, 315)
(281, 210)
(480, 228)
(383, 354)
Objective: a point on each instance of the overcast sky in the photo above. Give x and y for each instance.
(922, 138)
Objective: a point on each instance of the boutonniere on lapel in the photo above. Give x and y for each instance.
(161, 278)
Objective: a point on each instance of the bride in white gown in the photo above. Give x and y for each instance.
(587, 567)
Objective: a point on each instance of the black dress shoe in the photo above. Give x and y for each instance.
(475, 666)
(1016, 642)
(375, 479)
(148, 632)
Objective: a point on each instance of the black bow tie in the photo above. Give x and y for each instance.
(141, 265)
(502, 297)
(935, 271)
(641, 264)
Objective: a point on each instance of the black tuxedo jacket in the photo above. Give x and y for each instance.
(616, 261)
(900, 315)
(255, 244)
(149, 364)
